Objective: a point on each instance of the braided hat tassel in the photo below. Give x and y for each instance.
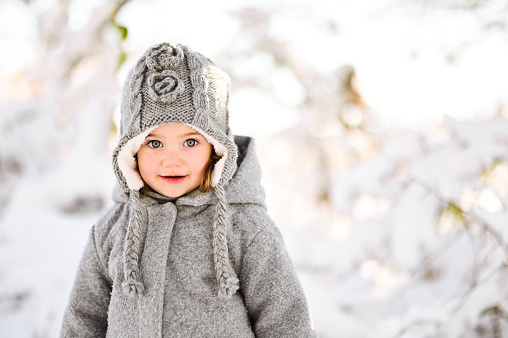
(226, 277)
(132, 285)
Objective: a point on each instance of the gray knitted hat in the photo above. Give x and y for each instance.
(172, 84)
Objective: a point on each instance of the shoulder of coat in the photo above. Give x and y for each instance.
(250, 217)
(112, 223)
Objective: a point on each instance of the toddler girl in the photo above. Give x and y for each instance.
(188, 249)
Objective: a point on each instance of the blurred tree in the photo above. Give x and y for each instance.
(414, 208)
(65, 118)
(335, 123)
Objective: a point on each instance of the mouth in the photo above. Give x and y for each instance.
(173, 179)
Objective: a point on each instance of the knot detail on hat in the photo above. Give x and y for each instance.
(165, 86)
(228, 288)
(164, 56)
(132, 287)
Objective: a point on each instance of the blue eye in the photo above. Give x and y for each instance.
(155, 144)
(191, 142)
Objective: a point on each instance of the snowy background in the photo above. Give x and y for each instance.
(382, 131)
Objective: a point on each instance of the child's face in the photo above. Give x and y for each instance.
(173, 158)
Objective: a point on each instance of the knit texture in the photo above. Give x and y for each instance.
(173, 84)
(132, 249)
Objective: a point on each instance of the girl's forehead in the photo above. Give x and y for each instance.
(176, 130)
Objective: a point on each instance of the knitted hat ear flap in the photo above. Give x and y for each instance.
(226, 276)
(132, 245)
(127, 165)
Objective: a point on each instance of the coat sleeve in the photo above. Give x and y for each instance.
(272, 292)
(87, 311)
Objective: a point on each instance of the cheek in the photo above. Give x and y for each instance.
(201, 161)
(144, 164)
(199, 166)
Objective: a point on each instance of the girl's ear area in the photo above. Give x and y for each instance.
(206, 183)
(218, 168)
(128, 163)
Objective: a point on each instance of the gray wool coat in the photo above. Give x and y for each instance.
(177, 269)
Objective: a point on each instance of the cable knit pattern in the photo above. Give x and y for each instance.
(199, 83)
(136, 99)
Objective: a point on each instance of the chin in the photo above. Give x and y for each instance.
(175, 193)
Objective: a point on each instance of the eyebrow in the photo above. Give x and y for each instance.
(193, 134)
(183, 135)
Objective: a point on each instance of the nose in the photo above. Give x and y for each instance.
(172, 158)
